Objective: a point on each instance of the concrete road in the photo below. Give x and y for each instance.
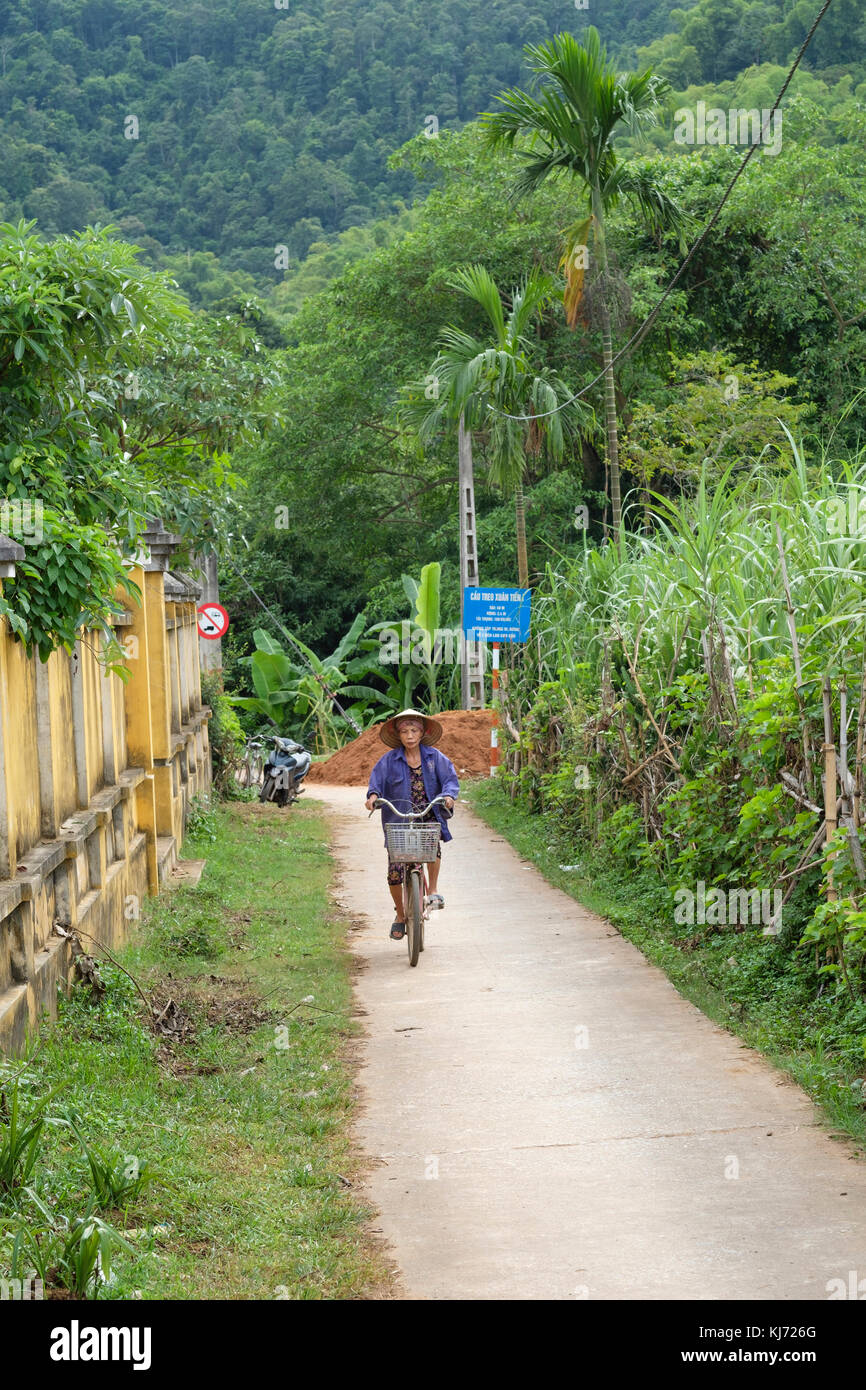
(548, 1118)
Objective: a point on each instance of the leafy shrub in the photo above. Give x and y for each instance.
(201, 819)
(86, 1251)
(116, 1178)
(224, 733)
(621, 836)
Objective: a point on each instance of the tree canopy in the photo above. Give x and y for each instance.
(220, 133)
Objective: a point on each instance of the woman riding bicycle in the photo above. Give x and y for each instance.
(411, 776)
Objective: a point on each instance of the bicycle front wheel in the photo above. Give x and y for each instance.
(414, 923)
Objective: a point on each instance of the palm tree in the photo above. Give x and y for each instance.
(571, 126)
(487, 382)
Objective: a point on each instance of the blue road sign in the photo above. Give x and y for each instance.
(496, 615)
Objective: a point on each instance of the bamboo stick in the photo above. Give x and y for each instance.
(843, 736)
(829, 751)
(715, 705)
(846, 784)
(801, 868)
(858, 757)
(789, 785)
(856, 848)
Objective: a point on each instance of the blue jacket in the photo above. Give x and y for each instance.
(390, 778)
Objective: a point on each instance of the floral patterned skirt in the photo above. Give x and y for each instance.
(419, 801)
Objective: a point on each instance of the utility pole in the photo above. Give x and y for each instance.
(471, 669)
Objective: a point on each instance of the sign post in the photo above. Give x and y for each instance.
(496, 616)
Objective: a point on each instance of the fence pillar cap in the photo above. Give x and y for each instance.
(159, 545)
(182, 586)
(10, 553)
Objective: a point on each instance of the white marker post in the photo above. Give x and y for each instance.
(494, 728)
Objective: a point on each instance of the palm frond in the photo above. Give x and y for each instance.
(660, 212)
(477, 282)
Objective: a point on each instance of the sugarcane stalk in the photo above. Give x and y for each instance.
(792, 629)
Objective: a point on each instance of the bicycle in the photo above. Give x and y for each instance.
(252, 765)
(413, 846)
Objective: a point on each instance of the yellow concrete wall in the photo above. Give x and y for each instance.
(96, 779)
(60, 676)
(91, 677)
(22, 792)
(118, 717)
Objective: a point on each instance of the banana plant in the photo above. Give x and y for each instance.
(399, 680)
(425, 636)
(297, 696)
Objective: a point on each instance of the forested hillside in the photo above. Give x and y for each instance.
(228, 129)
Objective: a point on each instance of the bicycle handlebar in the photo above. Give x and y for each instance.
(406, 815)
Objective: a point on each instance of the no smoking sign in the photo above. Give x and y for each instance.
(213, 621)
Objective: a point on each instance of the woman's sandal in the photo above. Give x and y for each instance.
(436, 900)
(398, 931)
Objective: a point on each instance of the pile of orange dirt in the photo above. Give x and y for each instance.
(465, 740)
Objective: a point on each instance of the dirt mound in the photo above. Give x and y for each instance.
(465, 740)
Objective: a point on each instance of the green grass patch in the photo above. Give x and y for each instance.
(240, 1112)
(757, 987)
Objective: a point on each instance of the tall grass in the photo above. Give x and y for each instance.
(714, 557)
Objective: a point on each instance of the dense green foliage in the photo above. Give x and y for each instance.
(118, 405)
(265, 124)
(74, 319)
(341, 498)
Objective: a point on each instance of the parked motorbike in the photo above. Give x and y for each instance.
(285, 768)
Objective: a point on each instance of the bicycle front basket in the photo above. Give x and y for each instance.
(412, 844)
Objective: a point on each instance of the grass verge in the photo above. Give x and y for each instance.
(241, 1103)
(755, 986)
